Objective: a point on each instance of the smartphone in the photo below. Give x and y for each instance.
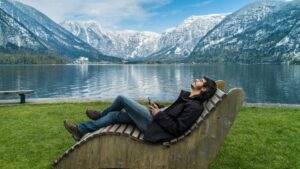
(150, 102)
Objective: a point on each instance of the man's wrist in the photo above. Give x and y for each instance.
(157, 114)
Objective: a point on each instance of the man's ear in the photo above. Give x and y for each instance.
(203, 89)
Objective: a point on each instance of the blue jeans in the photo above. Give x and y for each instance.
(135, 114)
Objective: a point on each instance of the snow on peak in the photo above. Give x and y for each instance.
(86, 24)
(202, 19)
(131, 43)
(186, 35)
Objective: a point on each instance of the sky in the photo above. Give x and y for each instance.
(140, 15)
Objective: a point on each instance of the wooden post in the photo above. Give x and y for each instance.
(22, 97)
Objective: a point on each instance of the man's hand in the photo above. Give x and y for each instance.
(154, 109)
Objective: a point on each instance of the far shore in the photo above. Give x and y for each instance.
(13, 102)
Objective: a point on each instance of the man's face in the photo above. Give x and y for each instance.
(198, 84)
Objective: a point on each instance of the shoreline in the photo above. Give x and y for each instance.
(14, 102)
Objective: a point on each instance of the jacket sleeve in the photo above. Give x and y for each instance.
(159, 105)
(183, 122)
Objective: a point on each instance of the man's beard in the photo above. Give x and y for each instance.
(195, 88)
(192, 87)
(199, 96)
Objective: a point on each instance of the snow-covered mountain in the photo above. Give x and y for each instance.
(265, 31)
(126, 44)
(14, 35)
(43, 32)
(178, 43)
(134, 44)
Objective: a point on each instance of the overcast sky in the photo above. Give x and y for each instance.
(142, 15)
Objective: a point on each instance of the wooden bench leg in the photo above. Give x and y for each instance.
(22, 96)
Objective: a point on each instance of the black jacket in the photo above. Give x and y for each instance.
(174, 120)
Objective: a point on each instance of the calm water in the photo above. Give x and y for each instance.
(262, 83)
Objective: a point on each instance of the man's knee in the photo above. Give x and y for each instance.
(113, 115)
(121, 97)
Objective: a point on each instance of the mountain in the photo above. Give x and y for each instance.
(178, 43)
(266, 31)
(137, 45)
(288, 49)
(126, 44)
(14, 36)
(51, 37)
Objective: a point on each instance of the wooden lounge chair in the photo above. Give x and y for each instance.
(122, 146)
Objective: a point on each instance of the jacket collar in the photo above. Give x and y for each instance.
(184, 95)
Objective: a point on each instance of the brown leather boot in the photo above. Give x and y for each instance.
(73, 130)
(93, 114)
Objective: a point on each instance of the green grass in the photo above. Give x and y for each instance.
(33, 136)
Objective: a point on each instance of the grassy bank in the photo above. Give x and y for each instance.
(32, 136)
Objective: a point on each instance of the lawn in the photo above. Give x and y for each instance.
(33, 136)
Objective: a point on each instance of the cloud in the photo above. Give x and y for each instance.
(187, 7)
(107, 12)
(203, 3)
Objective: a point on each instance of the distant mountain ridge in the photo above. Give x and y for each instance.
(49, 37)
(178, 43)
(267, 31)
(134, 44)
(126, 44)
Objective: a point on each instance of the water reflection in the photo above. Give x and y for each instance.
(262, 83)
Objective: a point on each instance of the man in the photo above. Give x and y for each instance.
(158, 125)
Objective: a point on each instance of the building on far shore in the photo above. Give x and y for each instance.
(81, 60)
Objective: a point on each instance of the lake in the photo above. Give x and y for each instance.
(262, 83)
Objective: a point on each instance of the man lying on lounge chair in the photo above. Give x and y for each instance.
(157, 124)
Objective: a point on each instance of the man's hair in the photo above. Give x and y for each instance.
(211, 87)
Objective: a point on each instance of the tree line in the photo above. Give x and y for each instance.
(32, 59)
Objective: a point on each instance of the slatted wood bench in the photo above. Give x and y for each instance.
(21, 93)
(195, 149)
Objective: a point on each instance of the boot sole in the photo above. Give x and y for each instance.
(71, 132)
